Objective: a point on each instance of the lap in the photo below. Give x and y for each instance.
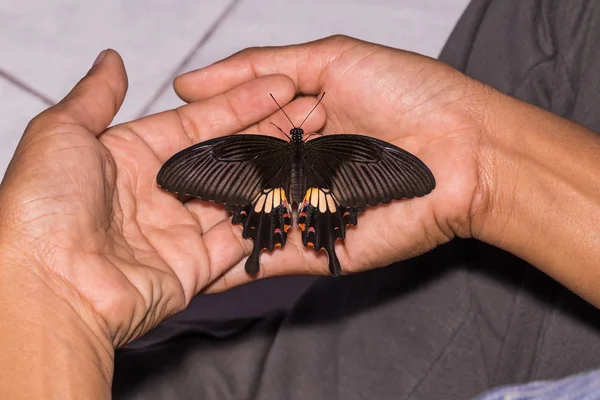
(450, 324)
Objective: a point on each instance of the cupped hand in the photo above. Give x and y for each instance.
(80, 209)
(412, 101)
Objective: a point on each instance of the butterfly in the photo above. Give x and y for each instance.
(328, 180)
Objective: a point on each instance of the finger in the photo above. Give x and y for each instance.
(95, 99)
(294, 259)
(224, 114)
(374, 243)
(304, 63)
(225, 247)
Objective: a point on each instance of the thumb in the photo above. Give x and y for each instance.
(95, 99)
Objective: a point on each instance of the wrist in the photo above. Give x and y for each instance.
(498, 167)
(539, 195)
(51, 341)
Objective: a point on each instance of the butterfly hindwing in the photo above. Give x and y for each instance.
(322, 220)
(248, 173)
(266, 221)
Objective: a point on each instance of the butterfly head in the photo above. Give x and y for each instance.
(296, 134)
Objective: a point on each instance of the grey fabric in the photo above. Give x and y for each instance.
(542, 51)
(450, 324)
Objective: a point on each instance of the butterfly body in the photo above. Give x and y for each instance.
(297, 154)
(328, 179)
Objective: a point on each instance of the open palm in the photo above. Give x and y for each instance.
(414, 102)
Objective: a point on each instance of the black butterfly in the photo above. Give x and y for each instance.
(330, 179)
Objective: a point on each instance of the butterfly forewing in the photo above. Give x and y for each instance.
(362, 171)
(230, 170)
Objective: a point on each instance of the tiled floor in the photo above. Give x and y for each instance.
(46, 46)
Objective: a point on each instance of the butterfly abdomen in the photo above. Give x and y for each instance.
(297, 173)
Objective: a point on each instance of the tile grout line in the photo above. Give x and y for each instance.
(188, 57)
(25, 87)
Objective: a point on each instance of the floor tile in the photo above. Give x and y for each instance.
(16, 110)
(417, 25)
(51, 44)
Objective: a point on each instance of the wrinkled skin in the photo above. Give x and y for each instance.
(81, 208)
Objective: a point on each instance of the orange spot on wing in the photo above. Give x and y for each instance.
(286, 215)
(311, 229)
(277, 230)
(286, 228)
(346, 214)
(302, 214)
(302, 226)
(277, 244)
(310, 244)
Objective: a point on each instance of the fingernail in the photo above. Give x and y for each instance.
(100, 58)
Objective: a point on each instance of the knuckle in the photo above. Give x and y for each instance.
(338, 37)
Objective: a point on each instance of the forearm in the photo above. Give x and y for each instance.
(46, 350)
(543, 194)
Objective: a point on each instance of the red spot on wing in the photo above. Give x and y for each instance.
(311, 229)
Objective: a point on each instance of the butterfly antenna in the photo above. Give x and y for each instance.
(313, 109)
(286, 135)
(282, 110)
